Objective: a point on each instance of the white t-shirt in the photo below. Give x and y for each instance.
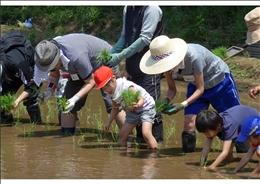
(123, 84)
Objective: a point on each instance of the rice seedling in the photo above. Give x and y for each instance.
(129, 97)
(161, 105)
(170, 132)
(62, 103)
(7, 102)
(104, 56)
(220, 52)
(29, 132)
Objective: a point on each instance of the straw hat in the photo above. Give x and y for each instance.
(163, 55)
(252, 20)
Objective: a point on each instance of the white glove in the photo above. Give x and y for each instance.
(71, 103)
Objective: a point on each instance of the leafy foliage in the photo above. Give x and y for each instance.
(7, 102)
(220, 52)
(161, 105)
(129, 97)
(62, 103)
(207, 25)
(104, 56)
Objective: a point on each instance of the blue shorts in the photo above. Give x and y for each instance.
(222, 97)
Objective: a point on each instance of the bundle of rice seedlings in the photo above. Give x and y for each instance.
(161, 105)
(104, 56)
(62, 103)
(129, 97)
(7, 102)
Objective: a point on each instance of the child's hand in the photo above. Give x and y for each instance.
(107, 126)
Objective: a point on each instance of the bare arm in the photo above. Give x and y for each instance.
(114, 112)
(171, 85)
(205, 151)
(21, 97)
(223, 155)
(245, 159)
(199, 81)
(89, 84)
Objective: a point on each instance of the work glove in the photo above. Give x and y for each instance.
(71, 103)
(174, 108)
(135, 47)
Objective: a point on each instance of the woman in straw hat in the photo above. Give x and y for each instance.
(209, 80)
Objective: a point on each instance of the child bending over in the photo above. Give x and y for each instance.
(142, 111)
(226, 126)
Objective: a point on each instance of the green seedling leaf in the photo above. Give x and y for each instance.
(62, 103)
(104, 56)
(129, 97)
(220, 52)
(7, 102)
(161, 105)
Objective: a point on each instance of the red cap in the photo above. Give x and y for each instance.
(102, 76)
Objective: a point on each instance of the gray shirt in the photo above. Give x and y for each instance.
(199, 60)
(81, 51)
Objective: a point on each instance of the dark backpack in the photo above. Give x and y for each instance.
(19, 41)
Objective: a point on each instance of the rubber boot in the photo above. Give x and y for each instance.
(34, 113)
(157, 129)
(139, 134)
(242, 147)
(68, 123)
(188, 141)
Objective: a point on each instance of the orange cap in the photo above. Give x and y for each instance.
(102, 76)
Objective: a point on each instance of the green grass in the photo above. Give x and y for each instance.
(129, 97)
(104, 56)
(7, 102)
(220, 52)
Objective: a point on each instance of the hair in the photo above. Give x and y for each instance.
(208, 120)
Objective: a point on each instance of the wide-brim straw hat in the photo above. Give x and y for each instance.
(164, 54)
(252, 20)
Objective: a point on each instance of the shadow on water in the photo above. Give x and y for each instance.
(90, 134)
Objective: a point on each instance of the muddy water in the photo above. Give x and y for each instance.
(38, 151)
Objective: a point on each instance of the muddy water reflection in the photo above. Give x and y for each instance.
(40, 152)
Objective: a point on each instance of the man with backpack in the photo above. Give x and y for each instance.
(16, 69)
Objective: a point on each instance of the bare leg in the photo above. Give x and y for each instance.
(120, 119)
(124, 132)
(148, 136)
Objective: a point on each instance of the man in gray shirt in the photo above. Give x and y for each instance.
(75, 53)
